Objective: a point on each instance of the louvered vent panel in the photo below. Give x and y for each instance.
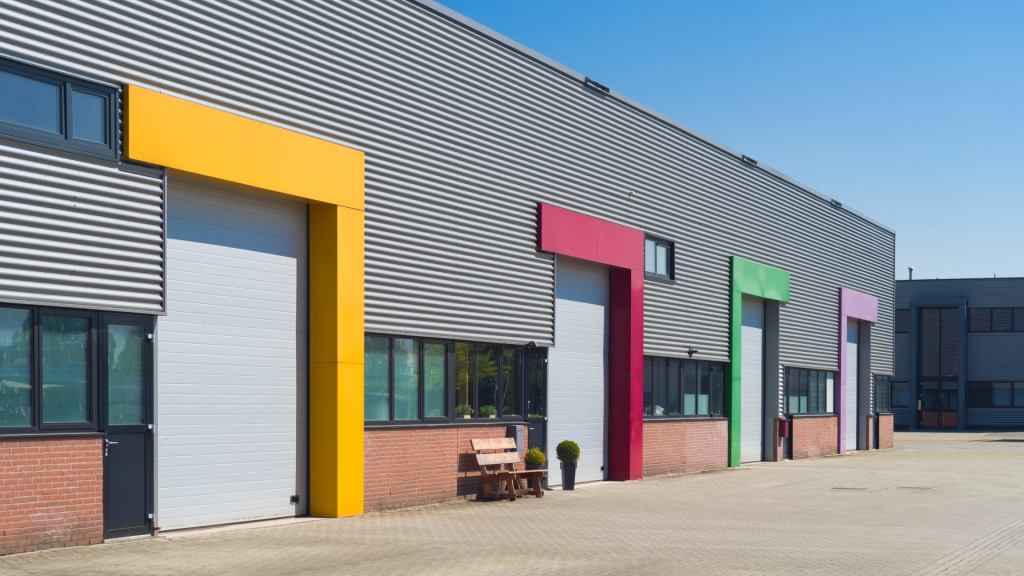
(930, 331)
(902, 321)
(1018, 319)
(980, 320)
(1002, 319)
(949, 342)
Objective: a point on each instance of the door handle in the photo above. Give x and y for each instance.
(106, 448)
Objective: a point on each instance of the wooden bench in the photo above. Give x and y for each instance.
(497, 465)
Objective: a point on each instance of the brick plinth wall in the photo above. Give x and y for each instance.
(51, 493)
(814, 436)
(871, 433)
(884, 431)
(778, 446)
(680, 446)
(415, 466)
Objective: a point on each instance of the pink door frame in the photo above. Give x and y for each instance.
(621, 248)
(859, 306)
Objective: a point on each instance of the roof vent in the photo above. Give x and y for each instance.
(591, 83)
(837, 203)
(749, 160)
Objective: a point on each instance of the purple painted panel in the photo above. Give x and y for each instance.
(859, 306)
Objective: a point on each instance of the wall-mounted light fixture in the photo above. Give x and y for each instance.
(530, 345)
(692, 351)
(749, 160)
(591, 83)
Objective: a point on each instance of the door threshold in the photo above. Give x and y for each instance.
(123, 538)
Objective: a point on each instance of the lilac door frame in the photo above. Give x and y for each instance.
(859, 306)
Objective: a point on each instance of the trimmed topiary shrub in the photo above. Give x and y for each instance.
(534, 457)
(568, 451)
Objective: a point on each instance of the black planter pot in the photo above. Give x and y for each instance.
(569, 475)
(535, 467)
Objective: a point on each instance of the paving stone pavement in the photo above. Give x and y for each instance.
(923, 507)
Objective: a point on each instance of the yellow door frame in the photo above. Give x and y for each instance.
(202, 143)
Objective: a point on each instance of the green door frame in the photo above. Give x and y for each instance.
(752, 279)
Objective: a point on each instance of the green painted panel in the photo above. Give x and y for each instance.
(755, 280)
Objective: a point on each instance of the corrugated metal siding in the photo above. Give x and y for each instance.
(902, 369)
(900, 416)
(979, 292)
(80, 234)
(995, 356)
(463, 137)
(994, 417)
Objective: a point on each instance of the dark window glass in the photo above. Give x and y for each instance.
(689, 388)
(30, 102)
(808, 391)
(510, 382)
(15, 368)
(881, 393)
(487, 359)
(535, 383)
(1018, 394)
(660, 378)
(981, 319)
(406, 354)
(803, 391)
(703, 388)
(1001, 395)
(1002, 319)
(1018, 319)
(376, 378)
(717, 375)
(465, 380)
(900, 396)
(648, 387)
(434, 378)
(673, 386)
(659, 258)
(89, 117)
(902, 321)
(65, 369)
(126, 371)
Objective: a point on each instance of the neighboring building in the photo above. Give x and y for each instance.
(266, 260)
(959, 354)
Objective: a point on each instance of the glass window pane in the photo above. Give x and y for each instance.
(829, 392)
(487, 357)
(30, 102)
(465, 380)
(407, 378)
(1018, 394)
(649, 265)
(792, 384)
(65, 369)
(673, 386)
(812, 391)
(510, 398)
(900, 394)
(15, 368)
(704, 388)
(648, 386)
(434, 356)
(1001, 394)
(660, 381)
(662, 259)
(89, 116)
(690, 388)
(535, 383)
(377, 359)
(717, 374)
(803, 391)
(126, 372)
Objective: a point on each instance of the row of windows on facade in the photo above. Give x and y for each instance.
(56, 110)
(980, 320)
(944, 396)
(48, 370)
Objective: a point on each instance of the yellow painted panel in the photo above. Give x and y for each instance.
(336, 277)
(197, 139)
(336, 439)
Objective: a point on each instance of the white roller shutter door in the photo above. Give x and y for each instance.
(852, 359)
(751, 379)
(232, 361)
(578, 367)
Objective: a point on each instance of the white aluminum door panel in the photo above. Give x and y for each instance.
(232, 359)
(852, 359)
(751, 379)
(578, 367)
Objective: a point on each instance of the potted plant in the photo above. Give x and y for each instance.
(463, 411)
(535, 460)
(569, 454)
(487, 411)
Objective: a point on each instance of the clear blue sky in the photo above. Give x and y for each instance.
(910, 112)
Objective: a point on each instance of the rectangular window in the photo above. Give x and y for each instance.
(881, 394)
(16, 405)
(698, 384)
(981, 320)
(126, 374)
(899, 395)
(413, 380)
(659, 258)
(51, 109)
(995, 395)
(808, 391)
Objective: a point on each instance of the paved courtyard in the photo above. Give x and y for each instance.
(935, 504)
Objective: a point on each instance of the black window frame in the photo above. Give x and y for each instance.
(901, 383)
(971, 394)
(715, 400)
(671, 246)
(788, 372)
(882, 390)
(450, 389)
(39, 426)
(66, 140)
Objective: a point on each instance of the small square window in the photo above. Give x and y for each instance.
(659, 258)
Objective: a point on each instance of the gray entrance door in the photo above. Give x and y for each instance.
(852, 360)
(752, 379)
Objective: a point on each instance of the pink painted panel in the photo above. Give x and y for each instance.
(573, 234)
(859, 306)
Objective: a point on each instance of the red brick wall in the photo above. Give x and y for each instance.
(415, 466)
(871, 432)
(778, 446)
(814, 436)
(885, 431)
(680, 446)
(52, 493)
